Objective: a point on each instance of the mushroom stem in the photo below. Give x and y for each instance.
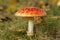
(30, 28)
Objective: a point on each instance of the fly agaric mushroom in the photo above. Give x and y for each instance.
(30, 13)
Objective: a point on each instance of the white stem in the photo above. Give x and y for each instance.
(30, 28)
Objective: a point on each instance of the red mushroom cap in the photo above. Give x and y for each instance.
(30, 12)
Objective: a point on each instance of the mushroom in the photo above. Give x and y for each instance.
(58, 4)
(30, 13)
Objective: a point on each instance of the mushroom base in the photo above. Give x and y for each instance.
(30, 33)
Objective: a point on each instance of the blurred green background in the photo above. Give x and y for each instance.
(14, 28)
